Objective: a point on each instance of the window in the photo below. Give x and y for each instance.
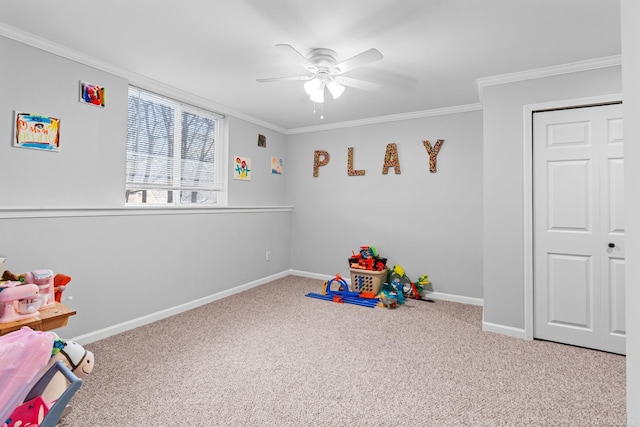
(174, 154)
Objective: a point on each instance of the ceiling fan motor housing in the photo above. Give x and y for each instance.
(322, 58)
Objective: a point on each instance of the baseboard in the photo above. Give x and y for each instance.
(504, 330)
(455, 298)
(143, 320)
(314, 275)
(433, 295)
(159, 315)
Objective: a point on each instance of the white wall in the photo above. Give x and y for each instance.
(504, 174)
(430, 223)
(630, 10)
(65, 211)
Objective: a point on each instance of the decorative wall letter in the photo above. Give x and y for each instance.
(433, 153)
(320, 158)
(391, 159)
(350, 170)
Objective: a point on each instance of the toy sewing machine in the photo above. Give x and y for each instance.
(18, 301)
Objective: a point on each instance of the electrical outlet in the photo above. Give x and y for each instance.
(268, 256)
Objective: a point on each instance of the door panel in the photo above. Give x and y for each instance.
(570, 289)
(617, 294)
(569, 193)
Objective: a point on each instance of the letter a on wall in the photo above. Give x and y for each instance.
(320, 158)
(391, 159)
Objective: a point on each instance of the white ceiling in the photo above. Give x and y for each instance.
(434, 50)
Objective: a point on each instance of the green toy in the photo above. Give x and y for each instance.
(410, 289)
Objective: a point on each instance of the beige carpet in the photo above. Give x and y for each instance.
(273, 357)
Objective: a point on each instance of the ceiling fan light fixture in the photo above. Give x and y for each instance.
(313, 86)
(336, 89)
(318, 96)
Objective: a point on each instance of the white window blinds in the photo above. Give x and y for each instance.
(171, 147)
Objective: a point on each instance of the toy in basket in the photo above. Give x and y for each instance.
(367, 259)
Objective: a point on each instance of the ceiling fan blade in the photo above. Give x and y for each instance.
(284, 79)
(292, 53)
(364, 58)
(356, 83)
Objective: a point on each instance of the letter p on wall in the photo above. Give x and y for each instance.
(320, 158)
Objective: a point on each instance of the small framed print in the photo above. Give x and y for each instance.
(92, 94)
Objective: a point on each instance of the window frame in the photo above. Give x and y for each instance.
(183, 104)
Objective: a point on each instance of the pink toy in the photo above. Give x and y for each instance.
(23, 356)
(18, 301)
(44, 280)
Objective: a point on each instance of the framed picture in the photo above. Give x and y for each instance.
(262, 141)
(37, 132)
(242, 169)
(91, 94)
(276, 165)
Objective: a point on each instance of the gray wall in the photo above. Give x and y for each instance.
(265, 188)
(503, 159)
(430, 223)
(65, 211)
(89, 169)
(631, 86)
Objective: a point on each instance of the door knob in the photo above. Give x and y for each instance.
(612, 245)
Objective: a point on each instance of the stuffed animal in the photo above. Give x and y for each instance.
(12, 277)
(75, 357)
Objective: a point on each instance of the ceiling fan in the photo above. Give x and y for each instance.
(326, 72)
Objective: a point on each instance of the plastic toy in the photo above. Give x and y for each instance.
(60, 282)
(38, 412)
(388, 300)
(343, 294)
(410, 289)
(44, 280)
(367, 259)
(399, 288)
(18, 301)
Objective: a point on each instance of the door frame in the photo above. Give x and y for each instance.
(527, 190)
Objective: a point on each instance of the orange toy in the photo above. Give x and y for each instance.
(59, 284)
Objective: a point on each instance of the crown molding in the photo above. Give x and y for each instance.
(154, 85)
(133, 77)
(572, 67)
(391, 118)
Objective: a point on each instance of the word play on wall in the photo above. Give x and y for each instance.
(391, 160)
